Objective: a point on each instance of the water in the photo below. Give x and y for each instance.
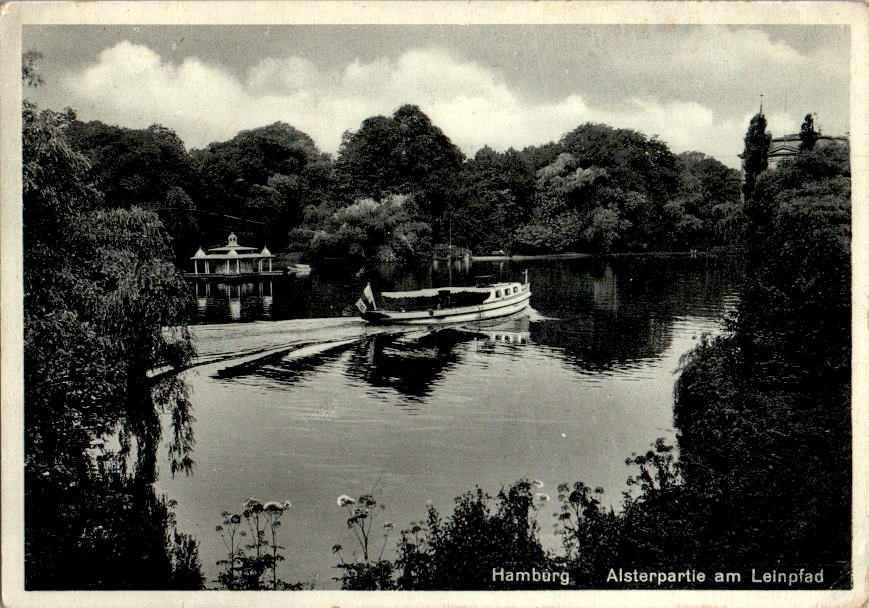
(309, 409)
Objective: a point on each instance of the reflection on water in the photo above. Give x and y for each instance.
(410, 365)
(236, 301)
(563, 394)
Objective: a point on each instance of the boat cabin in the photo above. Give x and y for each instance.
(449, 297)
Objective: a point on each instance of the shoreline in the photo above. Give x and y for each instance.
(574, 255)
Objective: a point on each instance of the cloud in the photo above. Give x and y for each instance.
(131, 85)
(713, 54)
(730, 67)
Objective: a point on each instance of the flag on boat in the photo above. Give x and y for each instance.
(366, 300)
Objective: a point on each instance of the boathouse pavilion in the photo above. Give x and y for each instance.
(232, 259)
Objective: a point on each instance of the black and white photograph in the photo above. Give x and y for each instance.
(319, 298)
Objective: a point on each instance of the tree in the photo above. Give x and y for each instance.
(103, 307)
(764, 411)
(99, 289)
(552, 228)
(800, 263)
(540, 156)
(707, 209)
(559, 203)
(497, 196)
(383, 231)
(257, 183)
(632, 160)
(133, 167)
(146, 168)
(179, 214)
(718, 183)
(603, 189)
(404, 154)
(584, 208)
(754, 156)
(808, 135)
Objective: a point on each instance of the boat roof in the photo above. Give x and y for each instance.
(430, 293)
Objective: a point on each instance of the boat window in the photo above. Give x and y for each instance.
(515, 290)
(498, 293)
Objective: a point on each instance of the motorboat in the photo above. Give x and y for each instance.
(445, 304)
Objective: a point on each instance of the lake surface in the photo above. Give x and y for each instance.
(312, 408)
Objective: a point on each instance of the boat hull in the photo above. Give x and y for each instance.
(487, 310)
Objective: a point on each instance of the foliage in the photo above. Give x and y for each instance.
(710, 212)
(764, 412)
(795, 317)
(589, 534)
(30, 68)
(552, 229)
(103, 306)
(808, 135)
(656, 525)
(132, 167)
(364, 572)
(633, 161)
(103, 530)
(497, 196)
(577, 208)
(179, 214)
(146, 168)
(404, 154)
(258, 183)
(252, 547)
(88, 356)
(564, 192)
(383, 230)
(754, 156)
(607, 189)
(400, 154)
(460, 552)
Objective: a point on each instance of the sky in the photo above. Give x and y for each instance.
(694, 87)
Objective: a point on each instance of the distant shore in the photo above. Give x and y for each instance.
(571, 255)
(542, 256)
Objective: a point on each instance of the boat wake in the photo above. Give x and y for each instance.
(536, 317)
(231, 349)
(235, 349)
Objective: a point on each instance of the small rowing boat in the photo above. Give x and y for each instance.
(445, 304)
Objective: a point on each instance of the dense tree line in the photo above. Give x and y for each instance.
(598, 189)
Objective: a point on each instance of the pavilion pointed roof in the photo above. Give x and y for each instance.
(232, 250)
(231, 245)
